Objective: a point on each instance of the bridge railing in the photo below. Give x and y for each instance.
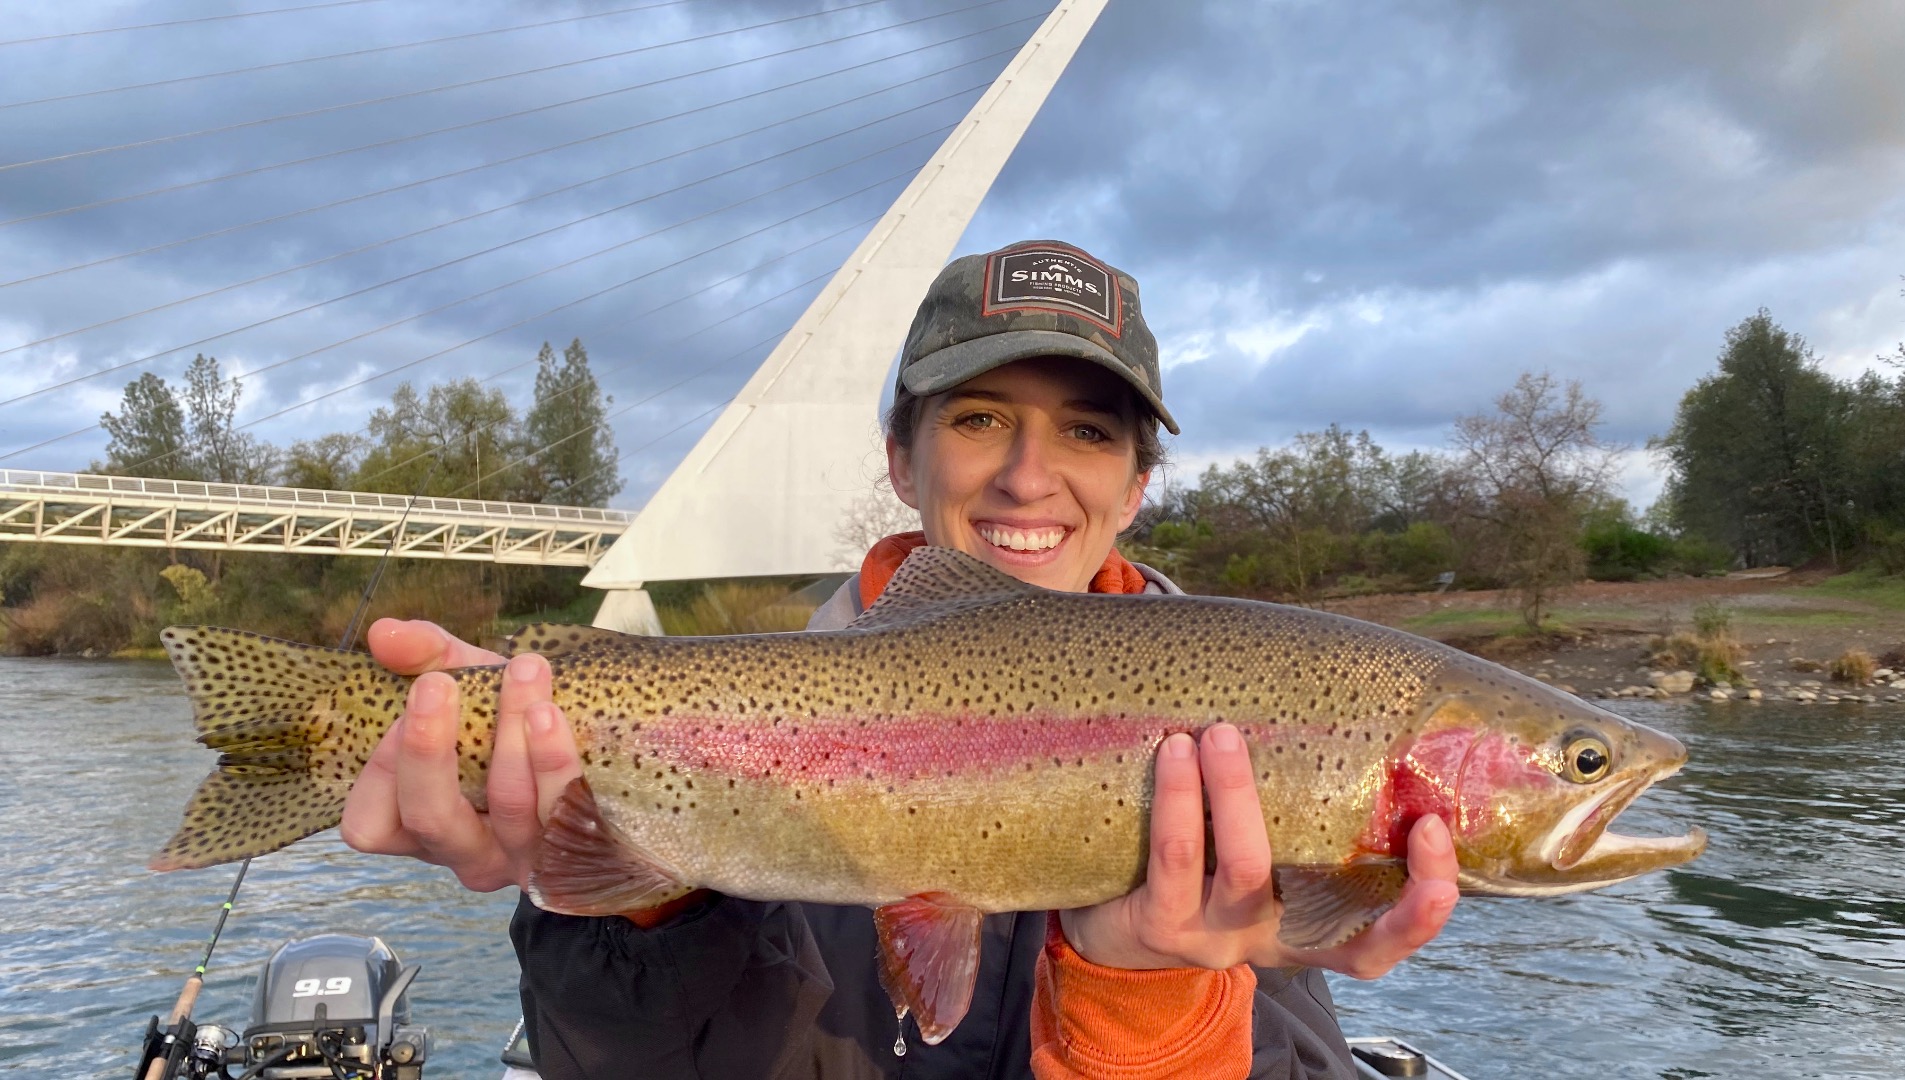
(258, 495)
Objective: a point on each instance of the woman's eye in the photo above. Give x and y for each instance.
(977, 421)
(1088, 433)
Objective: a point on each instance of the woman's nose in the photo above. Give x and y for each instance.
(1026, 474)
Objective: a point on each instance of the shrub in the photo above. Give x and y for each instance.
(1854, 666)
(1711, 620)
(1619, 551)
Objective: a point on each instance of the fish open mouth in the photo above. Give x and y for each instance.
(1581, 840)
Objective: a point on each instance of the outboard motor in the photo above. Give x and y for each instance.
(333, 1005)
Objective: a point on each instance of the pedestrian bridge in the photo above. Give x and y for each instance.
(134, 511)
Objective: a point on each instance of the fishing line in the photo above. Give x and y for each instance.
(498, 247)
(44, 214)
(387, 98)
(171, 1044)
(287, 215)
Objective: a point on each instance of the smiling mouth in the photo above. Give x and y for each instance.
(1024, 541)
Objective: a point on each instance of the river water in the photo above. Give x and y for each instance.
(1780, 953)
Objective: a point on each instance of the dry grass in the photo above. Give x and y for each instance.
(1711, 651)
(736, 608)
(1854, 666)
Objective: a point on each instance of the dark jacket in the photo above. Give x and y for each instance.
(749, 989)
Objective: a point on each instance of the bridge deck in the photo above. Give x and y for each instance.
(133, 511)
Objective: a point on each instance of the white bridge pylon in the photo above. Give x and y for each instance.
(765, 490)
(133, 511)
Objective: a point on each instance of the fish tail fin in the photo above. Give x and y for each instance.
(294, 725)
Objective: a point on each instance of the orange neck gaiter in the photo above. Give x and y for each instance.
(883, 561)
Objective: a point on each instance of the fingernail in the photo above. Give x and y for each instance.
(1436, 835)
(1180, 746)
(431, 693)
(523, 668)
(542, 718)
(1224, 737)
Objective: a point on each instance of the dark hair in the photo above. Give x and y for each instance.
(901, 423)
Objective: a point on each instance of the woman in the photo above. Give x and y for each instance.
(1024, 429)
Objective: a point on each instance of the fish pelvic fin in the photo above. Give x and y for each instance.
(558, 639)
(294, 725)
(586, 866)
(929, 960)
(1324, 906)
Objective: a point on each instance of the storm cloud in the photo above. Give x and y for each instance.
(1373, 215)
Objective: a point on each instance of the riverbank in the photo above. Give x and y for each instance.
(1604, 636)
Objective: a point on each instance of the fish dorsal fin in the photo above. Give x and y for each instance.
(557, 639)
(933, 580)
(1327, 905)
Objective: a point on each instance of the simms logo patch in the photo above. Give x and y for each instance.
(1053, 279)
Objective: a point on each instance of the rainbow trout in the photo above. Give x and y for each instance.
(970, 744)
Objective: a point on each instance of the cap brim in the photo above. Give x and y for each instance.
(954, 364)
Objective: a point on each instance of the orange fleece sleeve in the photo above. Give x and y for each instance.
(1091, 1022)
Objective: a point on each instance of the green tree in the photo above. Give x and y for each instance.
(459, 440)
(148, 432)
(219, 451)
(1757, 450)
(1539, 467)
(327, 462)
(566, 429)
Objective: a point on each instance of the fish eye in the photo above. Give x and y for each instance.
(1587, 759)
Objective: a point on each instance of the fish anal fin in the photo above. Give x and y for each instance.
(929, 959)
(558, 639)
(935, 581)
(586, 866)
(1327, 905)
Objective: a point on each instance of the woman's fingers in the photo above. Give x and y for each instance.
(413, 647)
(372, 823)
(1241, 894)
(552, 755)
(513, 807)
(429, 796)
(1174, 881)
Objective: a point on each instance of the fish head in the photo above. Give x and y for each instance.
(1529, 780)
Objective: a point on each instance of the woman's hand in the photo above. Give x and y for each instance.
(1180, 917)
(407, 800)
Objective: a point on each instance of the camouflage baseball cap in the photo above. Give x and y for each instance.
(1038, 298)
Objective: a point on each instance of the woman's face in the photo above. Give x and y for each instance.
(1031, 467)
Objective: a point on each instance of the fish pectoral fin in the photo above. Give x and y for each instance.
(1327, 905)
(589, 867)
(929, 960)
(557, 639)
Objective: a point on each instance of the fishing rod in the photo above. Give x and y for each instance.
(166, 1050)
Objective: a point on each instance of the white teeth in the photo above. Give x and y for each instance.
(1022, 539)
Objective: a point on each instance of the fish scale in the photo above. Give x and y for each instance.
(970, 744)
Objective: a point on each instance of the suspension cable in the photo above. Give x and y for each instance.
(387, 372)
(185, 22)
(373, 51)
(560, 146)
(465, 258)
(256, 170)
(385, 99)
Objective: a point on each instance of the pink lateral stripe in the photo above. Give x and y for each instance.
(915, 748)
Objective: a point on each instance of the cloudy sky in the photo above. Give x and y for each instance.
(1373, 214)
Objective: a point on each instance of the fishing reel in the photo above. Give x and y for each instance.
(328, 1007)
